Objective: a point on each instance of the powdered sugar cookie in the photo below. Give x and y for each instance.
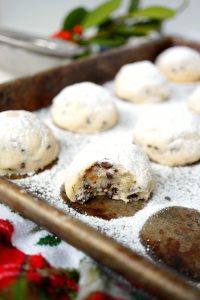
(120, 171)
(181, 64)
(194, 101)
(27, 145)
(141, 82)
(84, 107)
(169, 135)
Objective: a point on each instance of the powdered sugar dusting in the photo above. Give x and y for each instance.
(92, 95)
(181, 185)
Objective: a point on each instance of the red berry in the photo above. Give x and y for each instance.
(56, 35)
(78, 29)
(63, 35)
(66, 35)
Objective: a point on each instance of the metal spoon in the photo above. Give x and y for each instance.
(39, 44)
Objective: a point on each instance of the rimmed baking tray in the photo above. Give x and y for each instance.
(35, 92)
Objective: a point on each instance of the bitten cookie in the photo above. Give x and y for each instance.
(180, 64)
(84, 107)
(141, 82)
(122, 172)
(27, 145)
(194, 101)
(169, 135)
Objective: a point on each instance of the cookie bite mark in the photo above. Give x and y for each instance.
(110, 176)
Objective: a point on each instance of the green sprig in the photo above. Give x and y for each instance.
(114, 31)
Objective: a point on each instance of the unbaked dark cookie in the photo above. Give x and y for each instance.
(173, 236)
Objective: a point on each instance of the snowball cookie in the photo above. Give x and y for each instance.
(141, 82)
(122, 172)
(180, 64)
(27, 145)
(169, 135)
(84, 107)
(194, 101)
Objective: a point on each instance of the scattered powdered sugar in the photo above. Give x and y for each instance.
(174, 186)
(179, 56)
(170, 122)
(87, 90)
(18, 125)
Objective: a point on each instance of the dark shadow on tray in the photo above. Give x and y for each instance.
(105, 208)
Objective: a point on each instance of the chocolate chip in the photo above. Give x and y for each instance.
(147, 91)
(132, 196)
(174, 70)
(109, 175)
(88, 120)
(108, 186)
(23, 165)
(114, 190)
(174, 149)
(97, 165)
(22, 150)
(151, 146)
(167, 198)
(48, 147)
(106, 165)
(86, 185)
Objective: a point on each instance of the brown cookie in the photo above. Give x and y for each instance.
(173, 236)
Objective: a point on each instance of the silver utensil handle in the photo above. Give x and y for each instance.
(39, 44)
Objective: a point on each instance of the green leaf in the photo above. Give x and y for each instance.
(145, 29)
(108, 22)
(142, 28)
(108, 42)
(49, 240)
(155, 12)
(75, 17)
(100, 14)
(133, 5)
